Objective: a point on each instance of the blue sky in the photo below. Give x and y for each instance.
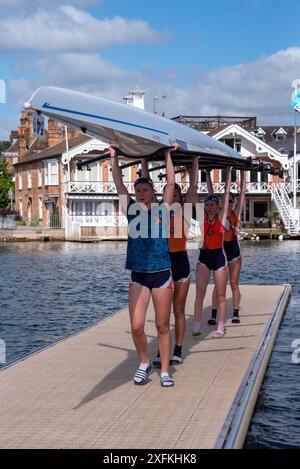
(228, 57)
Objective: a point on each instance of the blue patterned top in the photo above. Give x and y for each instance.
(148, 232)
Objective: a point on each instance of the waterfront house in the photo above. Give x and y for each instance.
(52, 192)
(265, 194)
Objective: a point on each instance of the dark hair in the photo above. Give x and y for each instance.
(143, 180)
(212, 198)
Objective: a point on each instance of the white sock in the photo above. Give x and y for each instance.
(221, 327)
(142, 366)
(165, 374)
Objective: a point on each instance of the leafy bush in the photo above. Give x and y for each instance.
(34, 222)
(21, 222)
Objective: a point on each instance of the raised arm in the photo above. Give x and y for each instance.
(146, 174)
(191, 195)
(225, 204)
(210, 188)
(170, 186)
(118, 179)
(242, 196)
(145, 169)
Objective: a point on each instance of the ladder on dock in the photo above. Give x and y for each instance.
(288, 214)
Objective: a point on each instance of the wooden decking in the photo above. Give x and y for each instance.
(79, 393)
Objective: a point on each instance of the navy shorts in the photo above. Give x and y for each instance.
(232, 250)
(180, 266)
(152, 280)
(213, 259)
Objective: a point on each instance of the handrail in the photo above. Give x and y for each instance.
(108, 187)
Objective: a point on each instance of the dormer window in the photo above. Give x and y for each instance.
(280, 135)
(260, 133)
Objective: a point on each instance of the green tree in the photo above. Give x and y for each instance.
(4, 145)
(6, 183)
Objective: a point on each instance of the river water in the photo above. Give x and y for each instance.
(50, 290)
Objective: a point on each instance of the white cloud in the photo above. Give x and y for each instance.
(67, 28)
(261, 88)
(20, 6)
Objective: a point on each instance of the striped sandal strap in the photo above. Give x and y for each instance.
(166, 381)
(141, 374)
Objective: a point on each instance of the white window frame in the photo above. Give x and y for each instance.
(21, 206)
(49, 179)
(40, 177)
(84, 175)
(40, 202)
(29, 178)
(20, 182)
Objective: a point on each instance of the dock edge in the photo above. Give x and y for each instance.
(234, 431)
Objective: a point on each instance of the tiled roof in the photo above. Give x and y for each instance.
(218, 129)
(56, 150)
(270, 133)
(14, 148)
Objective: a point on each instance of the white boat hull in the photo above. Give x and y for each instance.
(136, 132)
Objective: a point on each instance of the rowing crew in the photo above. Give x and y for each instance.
(158, 261)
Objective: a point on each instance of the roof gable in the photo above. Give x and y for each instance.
(261, 147)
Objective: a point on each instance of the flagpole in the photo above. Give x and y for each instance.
(295, 163)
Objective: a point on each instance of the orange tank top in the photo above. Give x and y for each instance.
(233, 224)
(213, 233)
(177, 240)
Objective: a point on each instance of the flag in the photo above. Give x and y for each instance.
(296, 102)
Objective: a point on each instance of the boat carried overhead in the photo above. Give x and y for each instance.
(137, 133)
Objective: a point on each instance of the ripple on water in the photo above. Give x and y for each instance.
(51, 290)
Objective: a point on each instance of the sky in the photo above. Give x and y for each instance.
(231, 57)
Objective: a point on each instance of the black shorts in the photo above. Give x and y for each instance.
(152, 280)
(232, 250)
(213, 259)
(180, 266)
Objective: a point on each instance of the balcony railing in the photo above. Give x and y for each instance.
(98, 220)
(102, 187)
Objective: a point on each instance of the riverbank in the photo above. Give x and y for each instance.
(32, 234)
(55, 234)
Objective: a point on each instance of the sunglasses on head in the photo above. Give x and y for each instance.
(211, 198)
(143, 181)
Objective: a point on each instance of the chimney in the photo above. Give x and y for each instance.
(21, 135)
(54, 132)
(29, 130)
(25, 132)
(135, 98)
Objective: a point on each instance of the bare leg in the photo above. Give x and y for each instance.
(162, 300)
(139, 297)
(180, 294)
(220, 277)
(202, 279)
(234, 275)
(214, 299)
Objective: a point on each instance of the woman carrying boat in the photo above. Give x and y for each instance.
(149, 261)
(212, 258)
(180, 266)
(231, 248)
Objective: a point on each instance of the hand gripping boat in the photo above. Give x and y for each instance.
(137, 133)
